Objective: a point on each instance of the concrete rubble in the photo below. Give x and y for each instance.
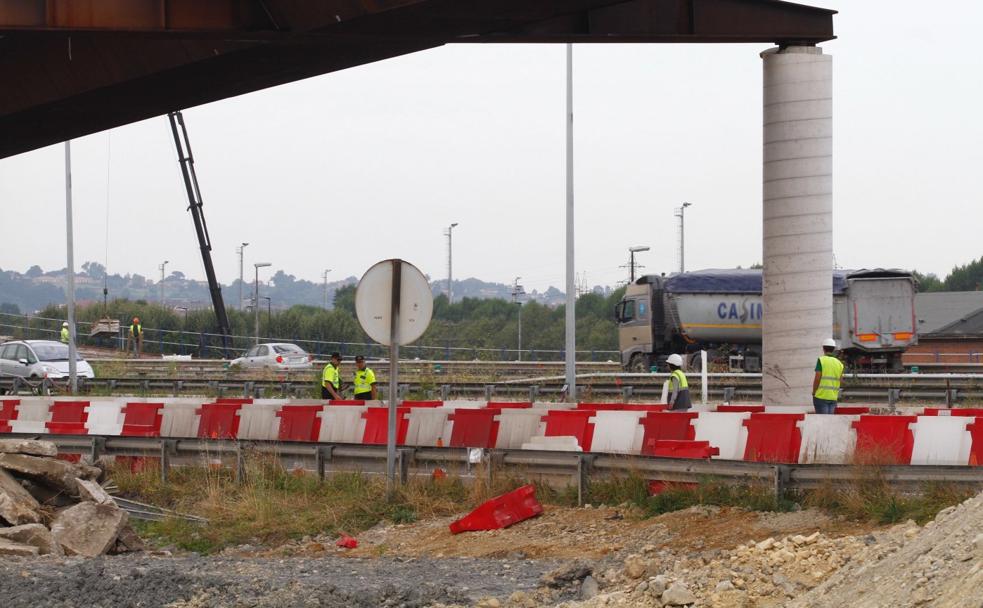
(54, 507)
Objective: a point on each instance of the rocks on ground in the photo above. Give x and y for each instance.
(50, 506)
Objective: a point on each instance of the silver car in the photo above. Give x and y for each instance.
(278, 356)
(40, 359)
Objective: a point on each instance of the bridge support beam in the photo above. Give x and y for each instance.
(798, 220)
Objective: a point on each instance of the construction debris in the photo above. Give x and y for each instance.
(51, 506)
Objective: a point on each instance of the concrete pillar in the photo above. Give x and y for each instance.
(798, 220)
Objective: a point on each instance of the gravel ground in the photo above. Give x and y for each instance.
(199, 582)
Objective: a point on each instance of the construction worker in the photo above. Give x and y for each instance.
(64, 333)
(136, 336)
(678, 384)
(826, 383)
(364, 381)
(331, 378)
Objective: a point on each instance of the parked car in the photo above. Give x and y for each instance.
(279, 356)
(40, 359)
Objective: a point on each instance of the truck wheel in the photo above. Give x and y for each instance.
(639, 364)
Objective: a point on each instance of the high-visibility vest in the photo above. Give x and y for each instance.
(829, 381)
(331, 377)
(64, 335)
(136, 330)
(680, 378)
(364, 379)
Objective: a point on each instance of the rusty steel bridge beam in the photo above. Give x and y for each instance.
(74, 67)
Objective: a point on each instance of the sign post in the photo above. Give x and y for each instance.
(394, 304)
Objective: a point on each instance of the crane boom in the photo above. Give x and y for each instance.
(187, 162)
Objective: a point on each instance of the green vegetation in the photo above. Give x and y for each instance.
(968, 277)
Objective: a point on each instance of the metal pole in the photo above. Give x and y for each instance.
(520, 331)
(324, 276)
(256, 305)
(70, 271)
(632, 265)
(450, 266)
(242, 253)
(571, 303)
(162, 267)
(393, 373)
(682, 238)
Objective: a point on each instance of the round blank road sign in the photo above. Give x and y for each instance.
(373, 302)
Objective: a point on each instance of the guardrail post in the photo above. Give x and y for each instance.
(145, 387)
(258, 391)
(893, 396)
(489, 391)
(283, 390)
(950, 397)
(627, 392)
(402, 391)
(322, 454)
(247, 388)
(403, 458)
(729, 394)
(240, 465)
(533, 392)
(96, 449)
(783, 473)
(178, 384)
(584, 464)
(167, 447)
(445, 392)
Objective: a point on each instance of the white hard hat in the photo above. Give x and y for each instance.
(675, 360)
(64, 324)
(830, 342)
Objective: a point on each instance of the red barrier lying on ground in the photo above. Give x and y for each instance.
(571, 423)
(142, 419)
(299, 422)
(884, 439)
(67, 418)
(474, 428)
(666, 425)
(219, 420)
(672, 448)
(773, 438)
(501, 511)
(754, 409)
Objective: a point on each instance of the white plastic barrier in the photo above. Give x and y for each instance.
(616, 432)
(178, 419)
(516, 427)
(827, 439)
(942, 440)
(561, 443)
(105, 417)
(724, 430)
(342, 424)
(31, 416)
(259, 421)
(426, 426)
(464, 404)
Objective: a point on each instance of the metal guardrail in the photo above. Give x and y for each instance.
(557, 468)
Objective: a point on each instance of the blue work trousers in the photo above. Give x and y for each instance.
(824, 406)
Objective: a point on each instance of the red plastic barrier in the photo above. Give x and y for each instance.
(623, 407)
(299, 422)
(884, 439)
(474, 428)
(754, 409)
(219, 420)
(672, 448)
(239, 400)
(646, 407)
(347, 402)
(601, 407)
(377, 425)
(68, 418)
(421, 403)
(571, 423)
(976, 451)
(142, 419)
(849, 410)
(666, 425)
(504, 405)
(773, 438)
(956, 411)
(501, 512)
(8, 412)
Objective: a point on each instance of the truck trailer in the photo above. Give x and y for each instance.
(721, 311)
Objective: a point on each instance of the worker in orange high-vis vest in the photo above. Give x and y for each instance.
(826, 383)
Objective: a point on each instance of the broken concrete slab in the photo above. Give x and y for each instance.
(88, 529)
(31, 447)
(35, 535)
(93, 492)
(17, 506)
(9, 547)
(128, 541)
(55, 472)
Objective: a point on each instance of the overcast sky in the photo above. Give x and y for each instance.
(349, 168)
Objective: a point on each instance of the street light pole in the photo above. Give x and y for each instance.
(450, 267)
(162, 266)
(324, 276)
(681, 214)
(257, 266)
(70, 271)
(631, 263)
(517, 291)
(570, 324)
(239, 250)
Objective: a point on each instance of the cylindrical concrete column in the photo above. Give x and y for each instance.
(798, 220)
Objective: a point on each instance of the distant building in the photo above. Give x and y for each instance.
(950, 331)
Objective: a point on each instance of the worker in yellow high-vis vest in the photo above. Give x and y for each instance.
(64, 333)
(331, 378)
(826, 383)
(364, 381)
(678, 384)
